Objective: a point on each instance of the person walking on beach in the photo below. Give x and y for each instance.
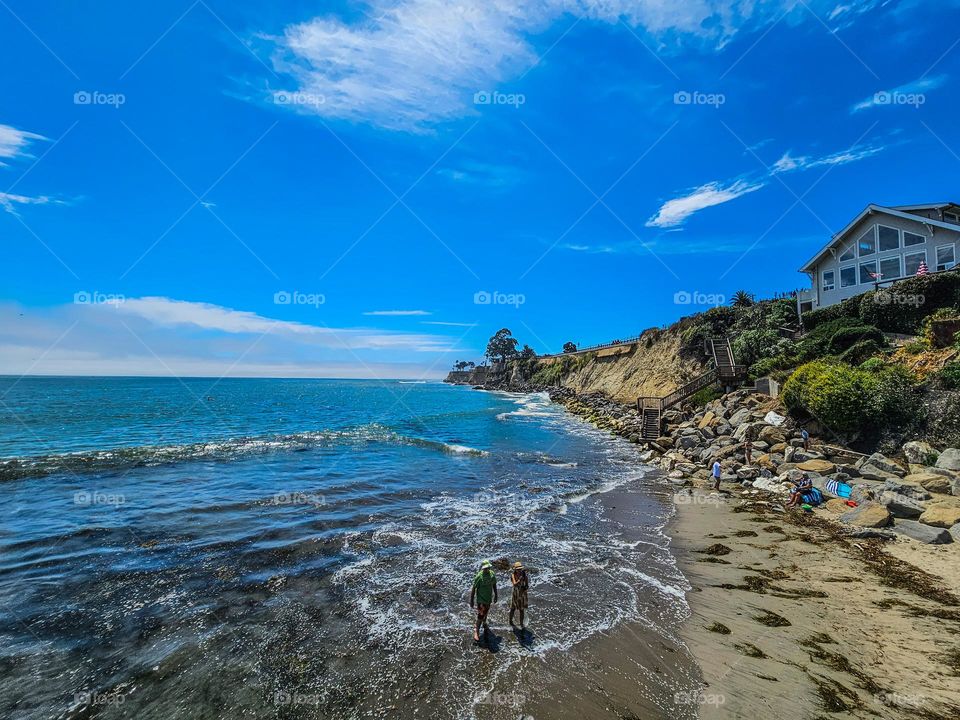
(806, 439)
(518, 601)
(484, 592)
(716, 475)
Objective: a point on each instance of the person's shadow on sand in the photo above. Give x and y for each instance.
(489, 641)
(524, 637)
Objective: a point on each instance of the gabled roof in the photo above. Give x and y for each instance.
(927, 206)
(869, 210)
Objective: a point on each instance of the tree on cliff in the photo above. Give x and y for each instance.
(569, 347)
(741, 299)
(527, 353)
(502, 346)
(461, 365)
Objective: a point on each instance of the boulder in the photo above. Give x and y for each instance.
(775, 419)
(880, 463)
(800, 455)
(932, 482)
(949, 459)
(871, 515)
(943, 516)
(778, 447)
(770, 485)
(771, 434)
(923, 533)
(955, 532)
(900, 506)
(836, 506)
(920, 452)
(664, 441)
(849, 469)
(747, 473)
(912, 491)
(706, 420)
(740, 416)
(823, 467)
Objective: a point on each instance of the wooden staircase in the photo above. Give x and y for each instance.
(724, 370)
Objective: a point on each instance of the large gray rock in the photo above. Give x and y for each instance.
(900, 506)
(912, 490)
(923, 533)
(800, 455)
(740, 416)
(878, 463)
(870, 515)
(955, 532)
(920, 452)
(949, 459)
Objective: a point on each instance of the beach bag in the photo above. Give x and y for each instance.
(813, 496)
(843, 490)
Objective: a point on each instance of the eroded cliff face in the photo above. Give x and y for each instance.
(652, 366)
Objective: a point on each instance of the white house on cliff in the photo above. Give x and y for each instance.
(879, 246)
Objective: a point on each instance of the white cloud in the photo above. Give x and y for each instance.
(788, 163)
(409, 64)
(446, 323)
(396, 312)
(14, 143)
(910, 94)
(163, 336)
(8, 201)
(676, 211)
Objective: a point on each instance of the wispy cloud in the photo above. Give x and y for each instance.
(390, 313)
(14, 143)
(409, 64)
(447, 323)
(9, 201)
(676, 211)
(906, 94)
(789, 163)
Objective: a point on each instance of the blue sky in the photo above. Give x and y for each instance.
(371, 190)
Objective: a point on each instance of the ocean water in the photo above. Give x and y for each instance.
(304, 548)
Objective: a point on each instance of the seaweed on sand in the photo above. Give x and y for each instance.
(716, 549)
(719, 628)
(771, 619)
(751, 650)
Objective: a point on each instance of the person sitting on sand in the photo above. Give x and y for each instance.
(800, 488)
(484, 591)
(518, 601)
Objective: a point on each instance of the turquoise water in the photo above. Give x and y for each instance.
(303, 548)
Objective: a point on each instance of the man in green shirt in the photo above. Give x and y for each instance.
(484, 591)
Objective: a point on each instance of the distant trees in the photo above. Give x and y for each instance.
(527, 353)
(461, 365)
(569, 347)
(502, 346)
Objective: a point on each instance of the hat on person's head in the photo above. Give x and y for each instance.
(485, 565)
(518, 565)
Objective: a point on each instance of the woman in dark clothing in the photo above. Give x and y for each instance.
(518, 601)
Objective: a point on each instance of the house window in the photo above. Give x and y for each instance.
(890, 268)
(848, 276)
(910, 238)
(951, 218)
(828, 280)
(945, 257)
(888, 238)
(848, 253)
(868, 272)
(867, 244)
(911, 262)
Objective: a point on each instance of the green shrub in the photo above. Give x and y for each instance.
(753, 345)
(768, 365)
(851, 401)
(859, 352)
(846, 338)
(707, 394)
(926, 325)
(916, 347)
(873, 364)
(950, 375)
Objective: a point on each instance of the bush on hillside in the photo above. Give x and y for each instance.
(926, 327)
(860, 351)
(872, 364)
(851, 401)
(949, 376)
(753, 345)
(899, 308)
(845, 338)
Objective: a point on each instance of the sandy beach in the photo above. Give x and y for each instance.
(790, 619)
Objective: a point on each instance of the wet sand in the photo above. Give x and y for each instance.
(790, 619)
